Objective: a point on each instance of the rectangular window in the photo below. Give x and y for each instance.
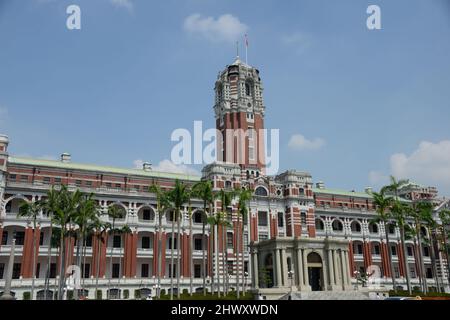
(88, 183)
(20, 237)
(87, 270)
(78, 183)
(12, 177)
(16, 271)
(412, 271)
(117, 242)
(118, 185)
(198, 244)
(4, 238)
(229, 240)
(38, 270)
(57, 180)
(108, 185)
(115, 270)
(280, 219)
(41, 239)
(263, 237)
(394, 250)
(2, 270)
(262, 218)
(246, 266)
(197, 271)
(144, 270)
(174, 270)
(397, 272)
(230, 267)
(429, 273)
(376, 250)
(89, 241)
(145, 242)
(410, 251)
(53, 270)
(174, 243)
(359, 249)
(47, 180)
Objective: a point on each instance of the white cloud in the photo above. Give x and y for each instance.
(225, 28)
(168, 166)
(428, 165)
(127, 4)
(299, 41)
(300, 142)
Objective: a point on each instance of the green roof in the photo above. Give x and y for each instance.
(97, 168)
(338, 192)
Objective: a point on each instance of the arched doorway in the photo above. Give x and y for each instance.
(267, 279)
(315, 272)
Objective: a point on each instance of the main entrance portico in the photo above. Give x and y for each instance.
(292, 264)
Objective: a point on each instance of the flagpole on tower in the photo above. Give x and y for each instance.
(246, 49)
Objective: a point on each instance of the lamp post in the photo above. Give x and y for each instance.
(7, 292)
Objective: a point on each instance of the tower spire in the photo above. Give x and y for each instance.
(237, 49)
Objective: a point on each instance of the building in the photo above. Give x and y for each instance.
(298, 235)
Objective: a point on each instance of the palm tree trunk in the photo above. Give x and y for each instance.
(78, 258)
(405, 259)
(62, 267)
(111, 258)
(237, 255)
(191, 255)
(49, 262)
(416, 256)
(434, 261)
(444, 233)
(97, 273)
(224, 269)
(83, 275)
(159, 254)
(178, 254)
(33, 275)
(422, 263)
(171, 256)
(216, 239)
(203, 248)
(391, 263)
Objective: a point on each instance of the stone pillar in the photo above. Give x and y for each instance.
(336, 268)
(331, 268)
(305, 270)
(347, 264)
(285, 268)
(278, 270)
(324, 272)
(300, 278)
(343, 269)
(255, 269)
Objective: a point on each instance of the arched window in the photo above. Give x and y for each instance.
(355, 226)
(337, 225)
(373, 227)
(198, 217)
(319, 224)
(261, 191)
(248, 88)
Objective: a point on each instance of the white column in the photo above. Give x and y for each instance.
(336, 268)
(331, 267)
(301, 281)
(305, 268)
(343, 269)
(284, 266)
(255, 269)
(278, 267)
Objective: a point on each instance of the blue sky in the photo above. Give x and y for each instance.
(352, 105)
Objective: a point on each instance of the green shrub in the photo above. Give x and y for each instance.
(99, 295)
(70, 295)
(27, 295)
(126, 294)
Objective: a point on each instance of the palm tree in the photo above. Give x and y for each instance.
(162, 204)
(399, 214)
(382, 204)
(86, 212)
(411, 234)
(49, 206)
(68, 203)
(204, 191)
(100, 230)
(122, 232)
(418, 214)
(225, 198)
(431, 226)
(32, 211)
(395, 186)
(244, 196)
(213, 221)
(444, 216)
(114, 212)
(178, 196)
(191, 193)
